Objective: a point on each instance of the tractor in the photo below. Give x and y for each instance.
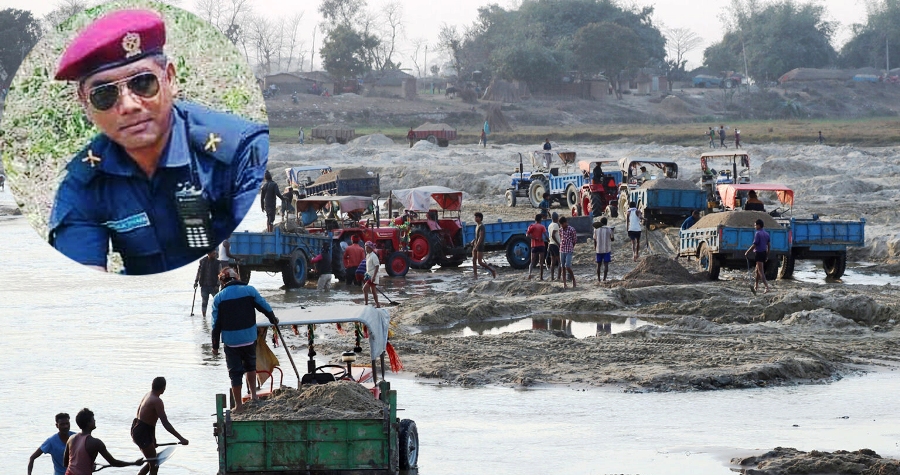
(600, 197)
(546, 179)
(435, 235)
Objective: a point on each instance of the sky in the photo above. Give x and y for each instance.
(423, 18)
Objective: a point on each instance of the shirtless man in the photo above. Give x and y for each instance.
(82, 448)
(144, 426)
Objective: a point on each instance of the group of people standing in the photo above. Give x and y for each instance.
(76, 453)
(719, 132)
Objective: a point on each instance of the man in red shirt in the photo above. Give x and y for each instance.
(536, 231)
(352, 257)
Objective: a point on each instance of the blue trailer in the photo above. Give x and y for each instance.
(667, 206)
(825, 240)
(724, 246)
(510, 237)
(278, 251)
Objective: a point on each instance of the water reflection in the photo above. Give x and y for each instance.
(584, 327)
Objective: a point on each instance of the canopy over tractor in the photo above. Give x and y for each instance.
(731, 194)
(420, 199)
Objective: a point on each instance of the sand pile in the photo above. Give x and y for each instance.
(736, 219)
(660, 269)
(344, 174)
(373, 140)
(429, 127)
(783, 460)
(669, 184)
(337, 400)
(674, 104)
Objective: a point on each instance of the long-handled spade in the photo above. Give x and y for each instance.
(288, 351)
(388, 298)
(194, 301)
(162, 456)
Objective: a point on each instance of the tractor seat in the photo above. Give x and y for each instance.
(263, 393)
(317, 378)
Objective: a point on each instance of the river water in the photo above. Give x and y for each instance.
(77, 338)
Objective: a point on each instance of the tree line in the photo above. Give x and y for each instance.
(538, 42)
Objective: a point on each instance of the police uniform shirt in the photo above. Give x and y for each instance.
(113, 200)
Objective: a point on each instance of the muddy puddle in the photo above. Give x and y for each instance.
(856, 274)
(581, 327)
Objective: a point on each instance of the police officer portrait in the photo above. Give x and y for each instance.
(135, 138)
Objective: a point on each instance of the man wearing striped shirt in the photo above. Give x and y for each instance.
(567, 237)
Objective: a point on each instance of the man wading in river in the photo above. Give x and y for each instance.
(82, 448)
(143, 428)
(234, 318)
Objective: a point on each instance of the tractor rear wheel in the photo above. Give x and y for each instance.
(536, 191)
(518, 252)
(709, 262)
(786, 271)
(571, 196)
(423, 249)
(596, 204)
(835, 266)
(397, 264)
(408, 439)
(293, 272)
(511, 198)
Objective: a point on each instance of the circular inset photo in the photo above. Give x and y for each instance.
(134, 137)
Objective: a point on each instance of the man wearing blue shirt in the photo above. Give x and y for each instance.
(165, 180)
(55, 445)
(234, 320)
(691, 220)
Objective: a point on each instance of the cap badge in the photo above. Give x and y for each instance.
(91, 159)
(131, 43)
(211, 143)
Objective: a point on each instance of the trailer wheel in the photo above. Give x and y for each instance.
(244, 274)
(518, 252)
(709, 263)
(409, 444)
(511, 198)
(571, 196)
(786, 271)
(397, 264)
(443, 142)
(536, 191)
(432, 139)
(771, 269)
(596, 204)
(293, 272)
(330, 139)
(423, 247)
(835, 266)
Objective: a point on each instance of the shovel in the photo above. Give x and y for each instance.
(162, 456)
(388, 298)
(193, 301)
(288, 351)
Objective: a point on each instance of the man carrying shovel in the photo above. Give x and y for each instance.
(143, 428)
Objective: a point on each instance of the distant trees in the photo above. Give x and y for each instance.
(775, 38)
(344, 52)
(596, 51)
(872, 40)
(535, 43)
(19, 32)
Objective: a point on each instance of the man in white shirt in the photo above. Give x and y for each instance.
(603, 238)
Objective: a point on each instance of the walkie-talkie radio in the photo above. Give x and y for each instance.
(193, 212)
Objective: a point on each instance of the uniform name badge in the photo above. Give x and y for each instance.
(194, 215)
(129, 223)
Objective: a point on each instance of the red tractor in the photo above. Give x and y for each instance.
(435, 235)
(600, 196)
(343, 217)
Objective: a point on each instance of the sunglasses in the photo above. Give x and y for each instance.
(105, 96)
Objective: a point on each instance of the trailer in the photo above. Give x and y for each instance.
(278, 251)
(667, 205)
(333, 133)
(724, 246)
(292, 446)
(812, 238)
(323, 181)
(509, 236)
(438, 134)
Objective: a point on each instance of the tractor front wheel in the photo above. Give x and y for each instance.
(511, 198)
(397, 264)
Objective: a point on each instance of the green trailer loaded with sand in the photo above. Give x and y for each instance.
(342, 420)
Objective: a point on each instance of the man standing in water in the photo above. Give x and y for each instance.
(208, 279)
(143, 428)
(55, 445)
(478, 248)
(234, 320)
(82, 448)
